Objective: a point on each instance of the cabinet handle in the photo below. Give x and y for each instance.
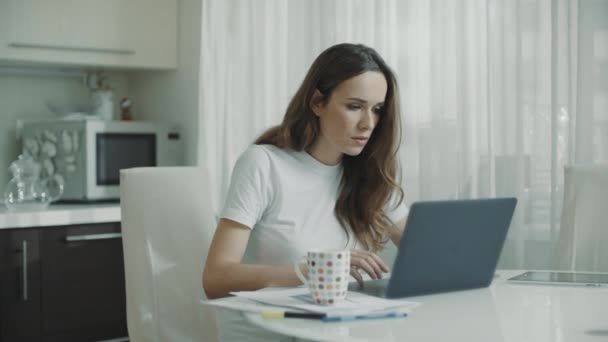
(72, 48)
(104, 236)
(24, 267)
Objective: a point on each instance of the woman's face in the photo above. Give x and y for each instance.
(349, 117)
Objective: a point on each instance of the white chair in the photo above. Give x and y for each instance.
(583, 237)
(167, 226)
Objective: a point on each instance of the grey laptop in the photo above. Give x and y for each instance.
(447, 246)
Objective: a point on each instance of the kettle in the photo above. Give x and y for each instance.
(26, 190)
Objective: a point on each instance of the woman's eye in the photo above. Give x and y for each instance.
(354, 106)
(379, 110)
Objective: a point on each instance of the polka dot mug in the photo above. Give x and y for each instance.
(328, 275)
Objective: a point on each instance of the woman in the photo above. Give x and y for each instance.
(323, 179)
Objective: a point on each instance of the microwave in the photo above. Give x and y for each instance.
(87, 155)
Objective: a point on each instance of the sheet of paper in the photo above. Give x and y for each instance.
(239, 303)
(299, 298)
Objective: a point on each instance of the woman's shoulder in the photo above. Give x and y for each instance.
(253, 155)
(255, 152)
(260, 152)
(265, 152)
(261, 156)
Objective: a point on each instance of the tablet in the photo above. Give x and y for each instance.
(562, 278)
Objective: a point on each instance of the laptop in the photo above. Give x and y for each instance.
(447, 246)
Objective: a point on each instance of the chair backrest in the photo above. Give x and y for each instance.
(167, 226)
(583, 237)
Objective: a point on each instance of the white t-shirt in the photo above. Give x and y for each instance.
(287, 198)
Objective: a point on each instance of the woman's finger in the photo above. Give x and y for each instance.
(380, 262)
(368, 263)
(369, 267)
(355, 273)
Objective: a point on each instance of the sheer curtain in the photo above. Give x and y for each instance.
(497, 96)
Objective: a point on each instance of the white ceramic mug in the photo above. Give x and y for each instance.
(328, 275)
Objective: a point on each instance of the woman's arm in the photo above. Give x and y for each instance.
(371, 263)
(224, 272)
(397, 230)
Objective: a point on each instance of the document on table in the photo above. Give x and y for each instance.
(300, 299)
(237, 303)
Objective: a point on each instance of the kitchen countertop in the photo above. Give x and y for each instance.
(60, 215)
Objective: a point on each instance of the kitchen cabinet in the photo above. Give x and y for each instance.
(106, 33)
(19, 285)
(75, 283)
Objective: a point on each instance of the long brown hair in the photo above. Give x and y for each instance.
(368, 181)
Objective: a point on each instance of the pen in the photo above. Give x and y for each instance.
(277, 314)
(345, 318)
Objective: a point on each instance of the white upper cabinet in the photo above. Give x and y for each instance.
(104, 33)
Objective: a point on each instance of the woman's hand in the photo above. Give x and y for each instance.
(368, 262)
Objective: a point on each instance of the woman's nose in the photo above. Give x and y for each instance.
(368, 121)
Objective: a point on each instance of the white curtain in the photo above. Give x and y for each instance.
(497, 96)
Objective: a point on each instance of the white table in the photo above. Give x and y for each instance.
(503, 312)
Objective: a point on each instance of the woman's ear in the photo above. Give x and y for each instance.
(316, 102)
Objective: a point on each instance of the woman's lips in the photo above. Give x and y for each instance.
(361, 140)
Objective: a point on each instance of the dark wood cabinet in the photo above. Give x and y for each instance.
(75, 284)
(20, 283)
